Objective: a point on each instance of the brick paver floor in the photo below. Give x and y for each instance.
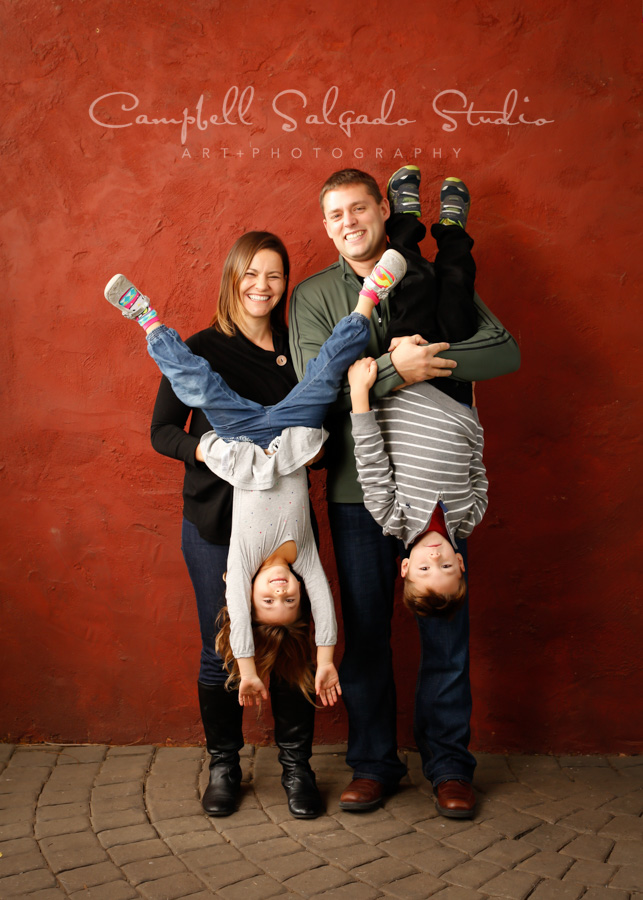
(118, 823)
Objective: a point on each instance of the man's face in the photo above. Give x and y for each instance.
(354, 221)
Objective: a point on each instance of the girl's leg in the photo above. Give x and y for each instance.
(308, 402)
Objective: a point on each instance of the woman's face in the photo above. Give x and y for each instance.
(262, 285)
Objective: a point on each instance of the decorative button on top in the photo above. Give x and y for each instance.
(282, 360)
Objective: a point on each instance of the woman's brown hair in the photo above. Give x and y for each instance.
(228, 315)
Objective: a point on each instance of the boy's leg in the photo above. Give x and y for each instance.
(455, 269)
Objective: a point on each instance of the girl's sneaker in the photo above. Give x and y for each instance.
(122, 294)
(454, 202)
(388, 272)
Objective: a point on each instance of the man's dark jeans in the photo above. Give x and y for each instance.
(367, 568)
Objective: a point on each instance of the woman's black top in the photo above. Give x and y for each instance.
(250, 371)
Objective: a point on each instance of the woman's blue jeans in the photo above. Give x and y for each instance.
(206, 564)
(234, 417)
(367, 569)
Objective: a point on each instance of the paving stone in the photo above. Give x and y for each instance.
(174, 887)
(549, 837)
(18, 845)
(590, 873)
(554, 810)
(516, 795)
(381, 831)
(514, 824)
(440, 827)
(284, 867)
(6, 751)
(352, 891)
(473, 840)
(49, 894)
(577, 762)
(99, 807)
(27, 756)
(89, 876)
(183, 825)
(140, 750)
(321, 843)
(219, 876)
(25, 799)
(299, 829)
(110, 792)
(458, 893)
(605, 894)
(21, 862)
(254, 889)
(437, 860)
(556, 890)
(128, 853)
(153, 869)
(321, 879)
(547, 864)
(15, 830)
(115, 890)
(209, 857)
(472, 873)
(51, 797)
(352, 856)
(73, 825)
(196, 840)
(21, 779)
(120, 818)
(128, 835)
(628, 827)
(272, 848)
(415, 887)
(589, 846)
(629, 878)
(632, 804)
(506, 853)
(21, 813)
(515, 885)
(74, 754)
(26, 883)
(160, 810)
(625, 853)
(407, 845)
(383, 871)
(250, 834)
(71, 851)
(587, 820)
(63, 811)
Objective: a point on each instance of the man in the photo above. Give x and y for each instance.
(355, 216)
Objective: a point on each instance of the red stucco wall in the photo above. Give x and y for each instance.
(99, 625)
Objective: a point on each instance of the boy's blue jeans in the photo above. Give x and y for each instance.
(236, 419)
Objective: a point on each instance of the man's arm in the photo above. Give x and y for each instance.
(491, 352)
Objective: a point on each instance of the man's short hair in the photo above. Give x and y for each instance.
(345, 177)
(430, 603)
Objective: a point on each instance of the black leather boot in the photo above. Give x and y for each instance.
(294, 726)
(222, 717)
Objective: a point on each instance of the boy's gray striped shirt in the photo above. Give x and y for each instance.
(418, 447)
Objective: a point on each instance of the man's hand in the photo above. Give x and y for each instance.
(327, 684)
(363, 374)
(415, 360)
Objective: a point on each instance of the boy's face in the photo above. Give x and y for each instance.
(354, 221)
(434, 565)
(276, 596)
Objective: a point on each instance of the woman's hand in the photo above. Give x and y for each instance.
(252, 691)
(327, 685)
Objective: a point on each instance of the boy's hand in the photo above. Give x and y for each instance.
(252, 690)
(416, 361)
(363, 374)
(327, 685)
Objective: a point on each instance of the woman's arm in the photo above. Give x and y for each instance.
(167, 431)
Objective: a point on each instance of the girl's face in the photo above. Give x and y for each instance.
(276, 596)
(262, 285)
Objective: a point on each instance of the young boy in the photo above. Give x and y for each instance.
(419, 454)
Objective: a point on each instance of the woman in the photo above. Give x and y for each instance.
(247, 343)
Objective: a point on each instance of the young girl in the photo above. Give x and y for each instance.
(271, 527)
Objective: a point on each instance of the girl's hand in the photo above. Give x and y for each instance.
(252, 690)
(363, 374)
(327, 685)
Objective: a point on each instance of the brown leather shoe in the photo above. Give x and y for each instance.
(362, 795)
(455, 799)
